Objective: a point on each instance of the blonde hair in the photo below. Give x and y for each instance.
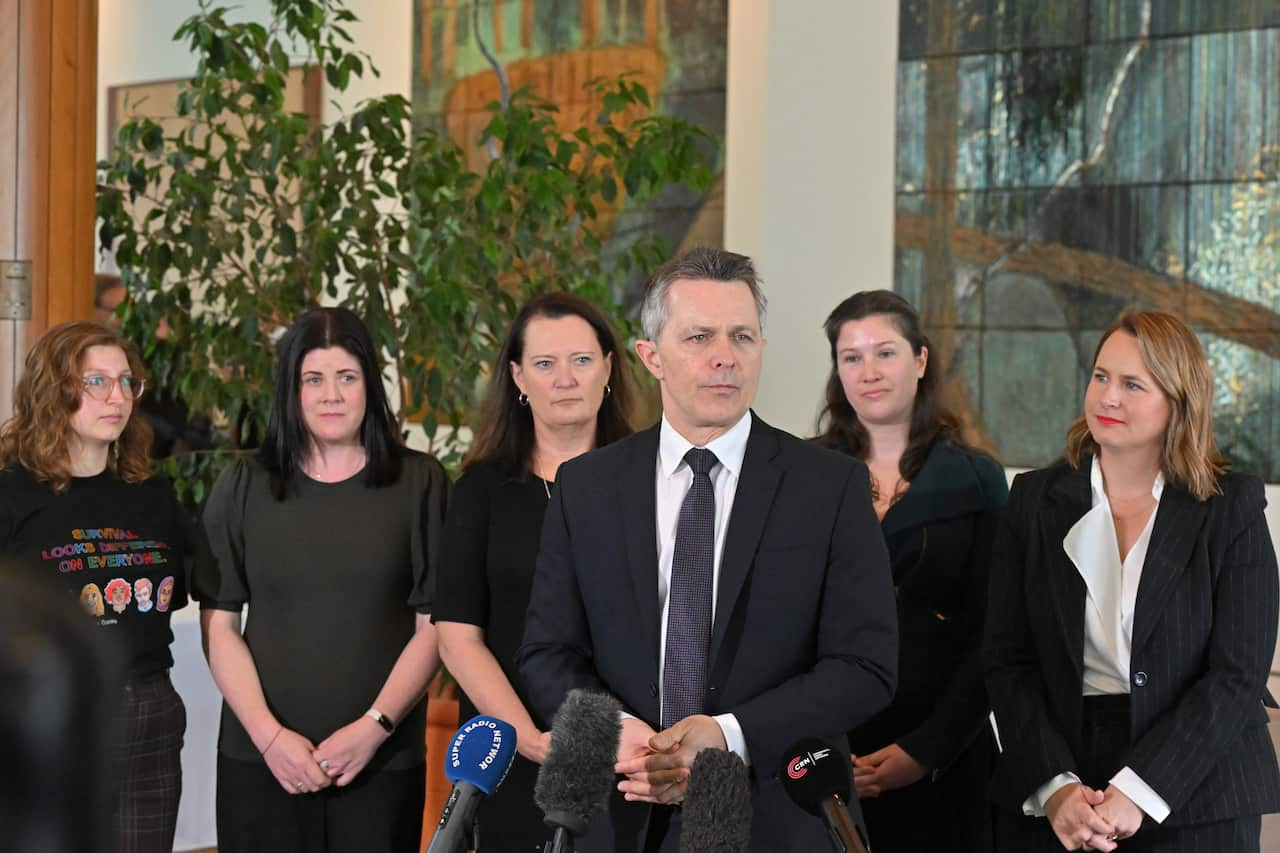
(1170, 350)
(38, 435)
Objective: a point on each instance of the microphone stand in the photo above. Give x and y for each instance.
(567, 827)
(845, 837)
(561, 842)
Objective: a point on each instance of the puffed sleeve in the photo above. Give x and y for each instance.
(462, 593)
(220, 583)
(430, 486)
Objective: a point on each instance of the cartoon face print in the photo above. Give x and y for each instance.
(119, 594)
(164, 594)
(142, 593)
(91, 599)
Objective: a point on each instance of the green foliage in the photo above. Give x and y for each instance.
(232, 222)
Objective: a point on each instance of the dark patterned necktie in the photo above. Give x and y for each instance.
(684, 669)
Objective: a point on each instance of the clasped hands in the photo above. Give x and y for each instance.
(1087, 819)
(304, 768)
(657, 764)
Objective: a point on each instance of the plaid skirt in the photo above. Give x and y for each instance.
(148, 766)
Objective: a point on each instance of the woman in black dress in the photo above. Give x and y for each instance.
(1133, 604)
(329, 537)
(921, 765)
(559, 389)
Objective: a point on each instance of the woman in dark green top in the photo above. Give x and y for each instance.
(328, 537)
(559, 389)
(921, 765)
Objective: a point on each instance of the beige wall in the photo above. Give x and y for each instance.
(809, 174)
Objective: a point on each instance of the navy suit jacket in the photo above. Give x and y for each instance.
(804, 640)
(1204, 630)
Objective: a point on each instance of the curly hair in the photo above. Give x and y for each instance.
(118, 584)
(38, 436)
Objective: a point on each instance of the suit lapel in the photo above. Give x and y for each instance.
(636, 497)
(1179, 518)
(945, 487)
(1068, 499)
(757, 485)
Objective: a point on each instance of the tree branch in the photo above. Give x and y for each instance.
(1106, 132)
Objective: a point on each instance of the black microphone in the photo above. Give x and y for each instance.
(817, 779)
(716, 815)
(575, 781)
(478, 760)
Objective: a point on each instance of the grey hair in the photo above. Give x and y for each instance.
(700, 263)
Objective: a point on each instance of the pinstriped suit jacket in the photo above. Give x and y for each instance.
(1203, 636)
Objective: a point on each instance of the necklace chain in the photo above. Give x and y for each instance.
(546, 487)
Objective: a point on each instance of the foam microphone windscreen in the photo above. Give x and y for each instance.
(716, 816)
(575, 781)
(813, 773)
(481, 753)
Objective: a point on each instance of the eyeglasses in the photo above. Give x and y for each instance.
(99, 387)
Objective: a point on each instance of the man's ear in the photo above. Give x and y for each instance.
(649, 357)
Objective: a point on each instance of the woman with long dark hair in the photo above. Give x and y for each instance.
(939, 501)
(557, 390)
(1134, 599)
(81, 515)
(329, 538)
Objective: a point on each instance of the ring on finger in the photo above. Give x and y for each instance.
(1113, 837)
(324, 764)
(298, 785)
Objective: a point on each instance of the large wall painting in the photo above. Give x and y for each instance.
(1062, 160)
(675, 48)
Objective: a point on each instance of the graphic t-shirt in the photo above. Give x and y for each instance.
(118, 551)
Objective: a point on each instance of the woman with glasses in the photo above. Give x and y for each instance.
(81, 514)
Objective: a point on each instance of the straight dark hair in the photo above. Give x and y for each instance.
(288, 443)
(505, 436)
(931, 421)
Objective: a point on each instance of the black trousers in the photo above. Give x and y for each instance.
(377, 813)
(148, 762)
(1105, 739)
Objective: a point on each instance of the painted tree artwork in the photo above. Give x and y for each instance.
(468, 54)
(1060, 161)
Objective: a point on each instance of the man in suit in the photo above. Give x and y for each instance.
(727, 582)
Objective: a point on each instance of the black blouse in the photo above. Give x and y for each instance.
(487, 558)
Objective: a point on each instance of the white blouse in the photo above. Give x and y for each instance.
(1112, 588)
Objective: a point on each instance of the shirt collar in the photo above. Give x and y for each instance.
(1100, 492)
(729, 448)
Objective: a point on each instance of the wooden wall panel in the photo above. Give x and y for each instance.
(72, 118)
(48, 92)
(35, 19)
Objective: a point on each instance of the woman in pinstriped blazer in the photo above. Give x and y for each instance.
(1132, 619)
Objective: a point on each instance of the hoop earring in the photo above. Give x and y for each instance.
(522, 399)
(607, 390)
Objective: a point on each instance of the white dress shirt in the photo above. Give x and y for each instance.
(1112, 586)
(674, 477)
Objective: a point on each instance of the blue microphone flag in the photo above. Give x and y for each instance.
(481, 753)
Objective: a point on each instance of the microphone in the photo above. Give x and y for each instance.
(716, 816)
(817, 779)
(575, 781)
(477, 762)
